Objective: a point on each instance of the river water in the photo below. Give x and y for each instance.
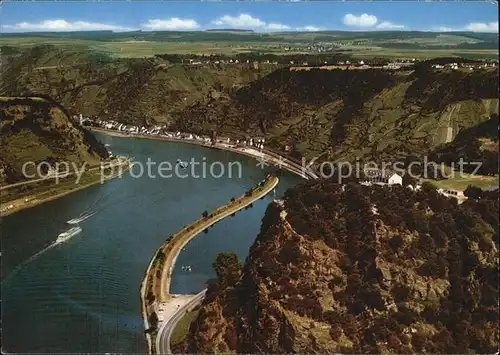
(82, 295)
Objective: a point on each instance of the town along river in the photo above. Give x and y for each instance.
(82, 295)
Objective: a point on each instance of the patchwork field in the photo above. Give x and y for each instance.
(358, 44)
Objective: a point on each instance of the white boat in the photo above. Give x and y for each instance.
(183, 164)
(68, 234)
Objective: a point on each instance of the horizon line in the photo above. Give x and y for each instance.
(245, 30)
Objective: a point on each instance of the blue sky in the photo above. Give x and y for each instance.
(260, 16)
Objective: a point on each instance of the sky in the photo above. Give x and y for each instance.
(262, 16)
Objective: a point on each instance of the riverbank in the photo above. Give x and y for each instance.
(155, 288)
(46, 193)
(263, 155)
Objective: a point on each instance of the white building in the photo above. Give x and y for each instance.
(223, 140)
(383, 177)
(395, 179)
(452, 193)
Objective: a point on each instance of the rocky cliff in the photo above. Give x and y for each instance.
(359, 270)
(37, 129)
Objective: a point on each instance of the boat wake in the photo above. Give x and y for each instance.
(58, 241)
(98, 205)
(81, 218)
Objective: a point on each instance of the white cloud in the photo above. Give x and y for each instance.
(482, 27)
(242, 21)
(277, 27)
(173, 23)
(445, 29)
(386, 25)
(363, 20)
(472, 27)
(63, 25)
(248, 21)
(369, 21)
(309, 28)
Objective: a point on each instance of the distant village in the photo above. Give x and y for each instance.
(400, 63)
(162, 132)
(378, 177)
(466, 66)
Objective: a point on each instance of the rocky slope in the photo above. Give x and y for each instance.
(347, 114)
(335, 114)
(476, 144)
(359, 270)
(37, 129)
(140, 91)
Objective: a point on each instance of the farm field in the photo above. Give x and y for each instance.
(421, 45)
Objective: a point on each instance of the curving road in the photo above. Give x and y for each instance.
(160, 286)
(166, 329)
(183, 237)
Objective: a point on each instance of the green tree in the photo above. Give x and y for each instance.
(473, 192)
(227, 268)
(409, 180)
(153, 320)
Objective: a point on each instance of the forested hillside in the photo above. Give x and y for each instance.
(39, 130)
(342, 114)
(476, 144)
(359, 270)
(137, 91)
(335, 114)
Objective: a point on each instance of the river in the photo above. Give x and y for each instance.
(82, 295)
